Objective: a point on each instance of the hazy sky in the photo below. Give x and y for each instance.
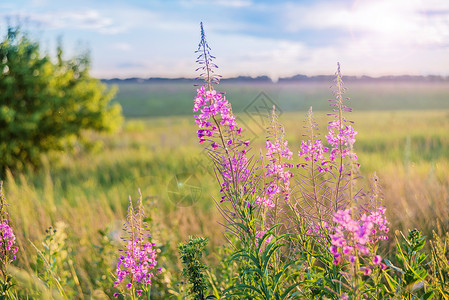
(248, 37)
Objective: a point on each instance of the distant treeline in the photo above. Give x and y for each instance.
(296, 78)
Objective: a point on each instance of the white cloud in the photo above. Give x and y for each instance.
(399, 22)
(225, 3)
(122, 46)
(74, 19)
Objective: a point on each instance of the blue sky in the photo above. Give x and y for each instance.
(275, 38)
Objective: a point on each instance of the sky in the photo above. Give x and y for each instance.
(157, 38)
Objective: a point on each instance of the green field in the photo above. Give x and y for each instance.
(167, 99)
(402, 135)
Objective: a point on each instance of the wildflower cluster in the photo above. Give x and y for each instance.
(8, 249)
(137, 264)
(342, 138)
(7, 238)
(136, 267)
(277, 171)
(215, 121)
(341, 135)
(7, 241)
(217, 125)
(210, 104)
(314, 151)
(355, 237)
(326, 225)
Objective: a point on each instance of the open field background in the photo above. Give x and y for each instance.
(403, 135)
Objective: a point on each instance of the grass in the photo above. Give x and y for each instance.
(88, 191)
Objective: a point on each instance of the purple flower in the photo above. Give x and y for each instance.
(137, 264)
(366, 271)
(377, 260)
(342, 137)
(266, 202)
(314, 152)
(7, 241)
(353, 237)
(213, 106)
(277, 171)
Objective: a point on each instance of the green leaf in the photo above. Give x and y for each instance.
(390, 264)
(428, 295)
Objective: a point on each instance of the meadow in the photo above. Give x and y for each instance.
(402, 136)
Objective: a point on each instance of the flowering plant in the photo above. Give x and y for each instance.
(137, 265)
(286, 218)
(8, 249)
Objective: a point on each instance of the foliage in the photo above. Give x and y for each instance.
(411, 280)
(54, 264)
(194, 270)
(46, 105)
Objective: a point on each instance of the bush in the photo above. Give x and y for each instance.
(46, 105)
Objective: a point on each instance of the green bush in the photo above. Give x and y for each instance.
(46, 105)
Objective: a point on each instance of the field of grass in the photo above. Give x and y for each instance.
(168, 99)
(402, 135)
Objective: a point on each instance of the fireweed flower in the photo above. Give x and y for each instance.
(354, 237)
(265, 202)
(215, 110)
(7, 240)
(277, 170)
(217, 125)
(342, 137)
(314, 151)
(277, 173)
(137, 264)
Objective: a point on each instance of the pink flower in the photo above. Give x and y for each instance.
(7, 241)
(367, 271)
(352, 237)
(377, 260)
(279, 185)
(341, 136)
(266, 202)
(138, 262)
(314, 152)
(212, 104)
